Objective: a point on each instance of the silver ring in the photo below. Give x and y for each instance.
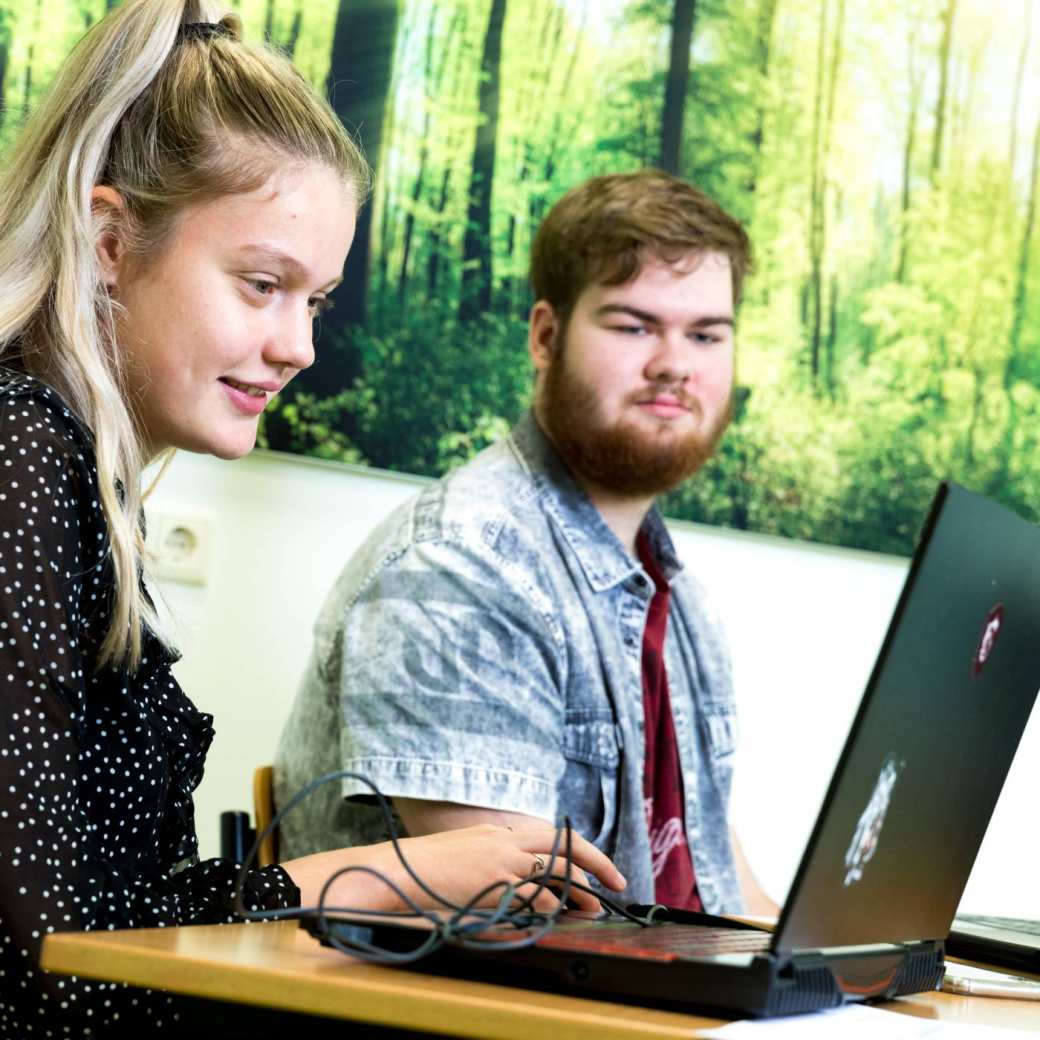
(539, 864)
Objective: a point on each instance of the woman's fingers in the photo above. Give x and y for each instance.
(583, 854)
(544, 902)
(555, 874)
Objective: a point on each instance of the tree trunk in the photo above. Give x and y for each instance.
(434, 79)
(436, 240)
(27, 82)
(837, 53)
(433, 266)
(1016, 103)
(558, 136)
(763, 50)
(914, 80)
(676, 85)
(269, 22)
(5, 53)
(944, 80)
(816, 215)
(533, 113)
(1018, 316)
(477, 274)
(429, 91)
(358, 85)
(294, 31)
(1024, 252)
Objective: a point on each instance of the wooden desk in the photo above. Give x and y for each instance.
(278, 966)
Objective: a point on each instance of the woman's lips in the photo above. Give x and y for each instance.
(248, 398)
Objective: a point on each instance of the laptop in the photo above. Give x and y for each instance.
(1003, 942)
(898, 831)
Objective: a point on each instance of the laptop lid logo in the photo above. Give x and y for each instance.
(988, 639)
(868, 830)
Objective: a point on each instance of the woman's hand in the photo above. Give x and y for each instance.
(457, 864)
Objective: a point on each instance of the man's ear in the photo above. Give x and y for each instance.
(543, 328)
(109, 210)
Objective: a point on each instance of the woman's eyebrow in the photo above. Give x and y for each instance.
(272, 254)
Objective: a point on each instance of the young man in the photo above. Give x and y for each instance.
(520, 640)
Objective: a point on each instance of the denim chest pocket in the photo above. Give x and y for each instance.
(720, 734)
(720, 722)
(589, 789)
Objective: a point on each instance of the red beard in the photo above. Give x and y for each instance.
(622, 458)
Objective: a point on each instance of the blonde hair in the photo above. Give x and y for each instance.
(168, 118)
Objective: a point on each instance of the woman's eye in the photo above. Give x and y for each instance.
(264, 286)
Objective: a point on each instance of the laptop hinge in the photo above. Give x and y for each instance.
(869, 949)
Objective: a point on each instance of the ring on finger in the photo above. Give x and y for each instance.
(539, 864)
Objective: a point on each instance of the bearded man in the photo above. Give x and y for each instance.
(519, 642)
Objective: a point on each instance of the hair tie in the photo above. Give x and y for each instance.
(204, 31)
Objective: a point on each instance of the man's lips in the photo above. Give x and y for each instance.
(665, 406)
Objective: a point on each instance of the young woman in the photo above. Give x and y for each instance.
(172, 218)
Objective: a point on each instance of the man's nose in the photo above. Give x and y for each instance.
(672, 359)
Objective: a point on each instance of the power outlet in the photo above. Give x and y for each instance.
(180, 547)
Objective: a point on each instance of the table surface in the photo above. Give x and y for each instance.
(277, 965)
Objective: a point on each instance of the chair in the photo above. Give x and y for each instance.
(263, 813)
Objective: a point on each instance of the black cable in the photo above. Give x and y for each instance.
(465, 922)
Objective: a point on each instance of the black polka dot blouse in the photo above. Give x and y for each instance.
(97, 767)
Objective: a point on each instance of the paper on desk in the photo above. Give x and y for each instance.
(856, 1022)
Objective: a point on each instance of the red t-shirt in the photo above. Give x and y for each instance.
(674, 881)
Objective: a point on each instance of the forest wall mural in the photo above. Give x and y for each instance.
(883, 154)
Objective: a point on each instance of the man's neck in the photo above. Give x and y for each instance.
(622, 514)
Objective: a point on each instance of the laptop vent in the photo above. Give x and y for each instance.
(804, 989)
(922, 970)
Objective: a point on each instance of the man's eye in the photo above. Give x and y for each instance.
(630, 330)
(320, 305)
(264, 286)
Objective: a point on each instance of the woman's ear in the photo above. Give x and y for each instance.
(109, 210)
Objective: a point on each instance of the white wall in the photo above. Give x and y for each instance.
(805, 622)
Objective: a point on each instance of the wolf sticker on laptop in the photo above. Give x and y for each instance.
(868, 830)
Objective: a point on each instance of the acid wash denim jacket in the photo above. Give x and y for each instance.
(484, 647)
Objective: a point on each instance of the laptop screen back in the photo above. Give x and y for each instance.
(933, 739)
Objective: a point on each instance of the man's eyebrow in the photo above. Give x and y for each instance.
(289, 263)
(623, 308)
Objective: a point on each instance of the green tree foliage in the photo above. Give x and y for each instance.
(884, 157)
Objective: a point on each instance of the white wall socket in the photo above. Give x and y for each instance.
(179, 544)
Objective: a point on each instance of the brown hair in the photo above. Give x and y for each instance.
(604, 230)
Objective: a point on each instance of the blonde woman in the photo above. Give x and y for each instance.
(172, 218)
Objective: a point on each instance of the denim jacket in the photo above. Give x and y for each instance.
(484, 647)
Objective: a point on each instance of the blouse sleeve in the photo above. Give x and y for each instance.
(58, 872)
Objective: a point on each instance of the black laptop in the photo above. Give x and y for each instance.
(1003, 942)
(899, 828)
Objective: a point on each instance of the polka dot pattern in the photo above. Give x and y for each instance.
(97, 767)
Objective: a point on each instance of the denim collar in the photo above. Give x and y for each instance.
(602, 556)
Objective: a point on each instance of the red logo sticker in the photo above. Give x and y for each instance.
(988, 639)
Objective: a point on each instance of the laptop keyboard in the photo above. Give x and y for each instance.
(665, 942)
(1010, 924)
